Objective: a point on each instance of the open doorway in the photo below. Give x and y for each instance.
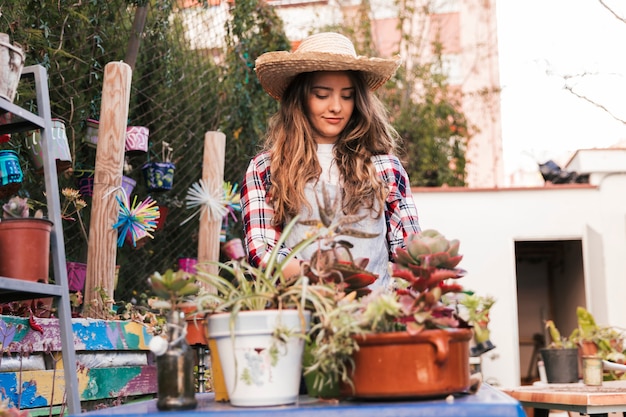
(550, 285)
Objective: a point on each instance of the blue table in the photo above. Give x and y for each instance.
(487, 402)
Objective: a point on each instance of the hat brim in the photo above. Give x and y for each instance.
(275, 70)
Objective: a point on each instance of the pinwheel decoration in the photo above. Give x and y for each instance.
(218, 203)
(138, 220)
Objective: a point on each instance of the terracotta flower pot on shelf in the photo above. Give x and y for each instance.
(25, 248)
(25, 251)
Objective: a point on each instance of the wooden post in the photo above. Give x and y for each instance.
(102, 249)
(213, 177)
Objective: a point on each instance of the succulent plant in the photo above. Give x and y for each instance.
(173, 290)
(336, 265)
(423, 271)
(19, 207)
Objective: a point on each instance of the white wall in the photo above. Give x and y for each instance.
(489, 221)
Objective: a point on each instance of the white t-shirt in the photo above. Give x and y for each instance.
(375, 249)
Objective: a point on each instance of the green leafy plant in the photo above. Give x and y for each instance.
(425, 275)
(557, 340)
(173, 290)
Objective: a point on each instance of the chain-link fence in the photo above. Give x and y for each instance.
(193, 72)
(177, 93)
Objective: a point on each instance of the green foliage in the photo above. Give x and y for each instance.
(254, 29)
(434, 130)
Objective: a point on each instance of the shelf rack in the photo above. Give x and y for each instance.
(14, 289)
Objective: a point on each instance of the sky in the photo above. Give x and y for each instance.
(545, 45)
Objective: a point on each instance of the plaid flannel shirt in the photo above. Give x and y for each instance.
(261, 236)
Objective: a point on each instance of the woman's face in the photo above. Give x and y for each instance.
(330, 104)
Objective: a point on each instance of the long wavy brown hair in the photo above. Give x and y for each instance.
(293, 150)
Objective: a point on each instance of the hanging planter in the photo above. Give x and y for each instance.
(76, 275)
(128, 184)
(136, 139)
(187, 265)
(59, 147)
(159, 176)
(91, 133)
(11, 175)
(11, 65)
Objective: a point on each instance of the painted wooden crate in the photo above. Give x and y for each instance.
(113, 361)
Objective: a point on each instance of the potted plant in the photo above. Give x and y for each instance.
(159, 175)
(259, 320)
(417, 321)
(24, 241)
(25, 248)
(476, 309)
(175, 359)
(560, 357)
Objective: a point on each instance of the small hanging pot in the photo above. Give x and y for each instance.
(59, 147)
(11, 65)
(159, 176)
(136, 139)
(91, 133)
(187, 265)
(128, 184)
(76, 275)
(11, 175)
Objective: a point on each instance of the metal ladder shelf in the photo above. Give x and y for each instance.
(15, 289)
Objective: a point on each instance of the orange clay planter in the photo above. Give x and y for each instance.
(432, 363)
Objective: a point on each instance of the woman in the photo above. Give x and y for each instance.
(330, 132)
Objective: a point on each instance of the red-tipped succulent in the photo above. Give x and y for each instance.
(425, 270)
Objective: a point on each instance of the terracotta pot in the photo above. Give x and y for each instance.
(25, 254)
(196, 330)
(432, 363)
(25, 248)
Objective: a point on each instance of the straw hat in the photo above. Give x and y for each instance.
(326, 51)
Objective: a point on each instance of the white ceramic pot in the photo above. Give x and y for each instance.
(258, 369)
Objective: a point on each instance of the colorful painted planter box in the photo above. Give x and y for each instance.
(113, 357)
